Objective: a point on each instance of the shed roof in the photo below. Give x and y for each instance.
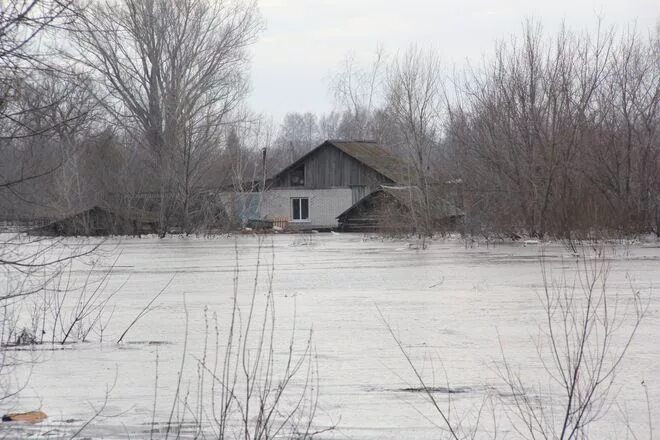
(126, 213)
(411, 196)
(440, 207)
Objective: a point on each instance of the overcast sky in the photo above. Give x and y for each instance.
(306, 40)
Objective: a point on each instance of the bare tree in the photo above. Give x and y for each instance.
(622, 162)
(28, 264)
(22, 23)
(298, 133)
(28, 99)
(586, 330)
(554, 123)
(357, 91)
(247, 148)
(171, 73)
(248, 386)
(22, 61)
(415, 104)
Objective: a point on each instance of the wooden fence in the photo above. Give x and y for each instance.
(281, 222)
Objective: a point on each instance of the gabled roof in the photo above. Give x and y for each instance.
(368, 153)
(375, 157)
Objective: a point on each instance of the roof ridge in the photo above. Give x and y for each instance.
(356, 141)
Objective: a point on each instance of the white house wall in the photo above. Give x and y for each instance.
(324, 205)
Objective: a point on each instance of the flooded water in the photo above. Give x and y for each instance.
(455, 308)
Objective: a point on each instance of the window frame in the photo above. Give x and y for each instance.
(300, 210)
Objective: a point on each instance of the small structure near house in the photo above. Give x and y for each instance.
(393, 209)
(100, 221)
(312, 191)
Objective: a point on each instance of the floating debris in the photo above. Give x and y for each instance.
(443, 390)
(28, 417)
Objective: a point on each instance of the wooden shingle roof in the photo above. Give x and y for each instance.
(375, 157)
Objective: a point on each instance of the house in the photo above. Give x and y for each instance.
(100, 221)
(395, 209)
(312, 191)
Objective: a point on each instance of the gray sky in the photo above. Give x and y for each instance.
(305, 41)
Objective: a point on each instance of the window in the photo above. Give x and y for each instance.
(297, 176)
(300, 209)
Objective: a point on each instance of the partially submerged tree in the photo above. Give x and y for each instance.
(586, 330)
(551, 124)
(415, 104)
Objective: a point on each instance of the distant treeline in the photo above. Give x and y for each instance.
(551, 135)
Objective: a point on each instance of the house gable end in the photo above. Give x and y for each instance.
(340, 164)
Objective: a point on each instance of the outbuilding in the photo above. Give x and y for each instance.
(101, 221)
(399, 210)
